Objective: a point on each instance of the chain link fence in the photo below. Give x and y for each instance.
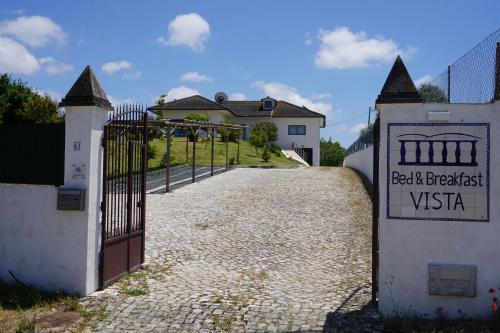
(471, 79)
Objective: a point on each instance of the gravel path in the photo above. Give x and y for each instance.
(250, 250)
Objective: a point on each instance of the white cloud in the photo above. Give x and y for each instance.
(342, 49)
(195, 77)
(132, 75)
(309, 39)
(357, 128)
(53, 67)
(15, 58)
(115, 101)
(115, 66)
(237, 96)
(180, 92)
(290, 94)
(56, 96)
(189, 30)
(321, 96)
(424, 79)
(36, 31)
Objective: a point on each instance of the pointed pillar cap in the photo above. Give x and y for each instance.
(86, 91)
(399, 87)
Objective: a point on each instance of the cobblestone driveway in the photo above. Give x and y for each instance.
(249, 250)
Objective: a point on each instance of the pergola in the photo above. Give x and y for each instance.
(168, 126)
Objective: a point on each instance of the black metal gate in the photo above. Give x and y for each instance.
(123, 206)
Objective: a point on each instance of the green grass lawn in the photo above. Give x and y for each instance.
(248, 156)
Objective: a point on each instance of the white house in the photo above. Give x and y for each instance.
(297, 125)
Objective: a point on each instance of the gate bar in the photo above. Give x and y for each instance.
(144, 182)
(129, 198)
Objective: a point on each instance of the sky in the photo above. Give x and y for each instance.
(331, 56)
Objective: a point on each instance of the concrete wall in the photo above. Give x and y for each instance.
(39, 244)
(361, 161)
(407, 247)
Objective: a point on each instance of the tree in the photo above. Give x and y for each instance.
(20, 104)
(258, 139)
(366, 134)
(432, 94)
(262, 135)
(331, 153)
(269, 129)
(161, 100)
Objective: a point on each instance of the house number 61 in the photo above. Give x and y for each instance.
(76, 146)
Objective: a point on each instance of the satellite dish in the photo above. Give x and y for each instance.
(220, 97)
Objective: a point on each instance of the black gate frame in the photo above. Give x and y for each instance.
(123, 205)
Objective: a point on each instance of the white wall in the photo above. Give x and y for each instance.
(361, 161)
(407, 247)
(39, 244)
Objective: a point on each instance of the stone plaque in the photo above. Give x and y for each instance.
(438, 171)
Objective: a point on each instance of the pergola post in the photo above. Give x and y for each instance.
(167, 159)
(187, 149)
(193, 171)
(212, 153)
(238, 153)
(227, 148)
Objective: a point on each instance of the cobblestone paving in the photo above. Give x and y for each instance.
(251, 250)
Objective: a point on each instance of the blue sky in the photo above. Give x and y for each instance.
(332, 56)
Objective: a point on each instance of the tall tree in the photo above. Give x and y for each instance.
(20, 104)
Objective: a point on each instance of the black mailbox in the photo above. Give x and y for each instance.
(70, 199)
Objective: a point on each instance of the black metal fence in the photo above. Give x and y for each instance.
(356, 146)
(32, 154)
(471, 79)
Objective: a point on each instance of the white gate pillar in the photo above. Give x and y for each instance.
(86, 113)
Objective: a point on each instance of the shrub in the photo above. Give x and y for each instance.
(331, 153)
(232, 136)
(163, 161)
(151, 152)
(204, 118)
(275, 149)
(432, 94)
(266, 154)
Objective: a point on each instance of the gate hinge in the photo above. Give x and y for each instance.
(101, 206)
(103, 142)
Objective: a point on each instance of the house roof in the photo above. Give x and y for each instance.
(195, 102)
(240, 108)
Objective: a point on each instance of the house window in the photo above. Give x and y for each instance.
(296, 129)
(268, 105)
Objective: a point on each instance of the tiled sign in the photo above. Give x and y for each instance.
(438, 171)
